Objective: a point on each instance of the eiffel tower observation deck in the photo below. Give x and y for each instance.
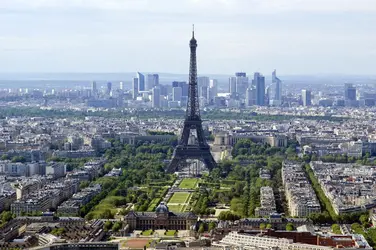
(201, 150)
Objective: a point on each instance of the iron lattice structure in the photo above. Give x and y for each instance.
(184, 150)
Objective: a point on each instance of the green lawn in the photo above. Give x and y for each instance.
(189, 183)
(176, 208)
(179, 197)
(107, 203)
(147, 232)
(170, 233)
(153, 204)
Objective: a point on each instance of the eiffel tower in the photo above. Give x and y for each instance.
(183, 150)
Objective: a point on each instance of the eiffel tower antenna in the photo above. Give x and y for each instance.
(183, 150)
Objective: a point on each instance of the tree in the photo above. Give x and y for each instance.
(4, 157)
(269, 226)
(201, 229)
(19, 159)
(212, 225)
(106, 214)
(364, 219)
(84, 184)
(289, 227)
(336, 229)
(262, 226)
(58, 231)
(124, 211)
(227, 215)
(357, 228)
(117, 226)
(6, 216)
(107, 225)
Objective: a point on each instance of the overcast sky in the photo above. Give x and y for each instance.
(293, 36)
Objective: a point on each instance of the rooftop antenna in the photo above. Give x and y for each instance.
(193, 30)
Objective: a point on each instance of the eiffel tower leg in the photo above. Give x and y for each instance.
(174, 164)
(185, 135)
(210, 162)
(200, 134)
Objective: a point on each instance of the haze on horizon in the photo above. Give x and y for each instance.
(293, 36)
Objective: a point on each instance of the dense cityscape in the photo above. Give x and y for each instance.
(85, 168)
(150, 160)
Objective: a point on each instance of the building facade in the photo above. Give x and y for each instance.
(306, 98)
(162, 218)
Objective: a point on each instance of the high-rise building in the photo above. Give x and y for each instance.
(277, 98)
(241, 84)
(184, 86)
(268, 94)
(350, 92)
(232, 86)
(213, 90)
(156, 97)
(165, 90)
(306, 97)
(135, 86)
(203, 85)
(177, 93)
(213, 84)
(259, 83)
(94, 87)
(153, 80)
(241, 74)
(250, 97)
(141, 81)
(121, 86)
(203, 81)
(109, 88)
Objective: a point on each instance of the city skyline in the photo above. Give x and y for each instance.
(295, 37)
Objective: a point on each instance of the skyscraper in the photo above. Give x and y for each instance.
(153, 80)
(141, 81)
(94, 87)
(109, 88)
(121, 86)
(177, 93)
(350, 92)
(184, 86)
(232, 86)
(213, 90)
(248, 97)
(277, 98)
(306, 97)
(203, 86)
(268, 94)
(241, 74)
(241, 84)
(135, 86)
(156, 97)
(259, 83)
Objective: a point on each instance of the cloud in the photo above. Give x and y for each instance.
(317, 5)
(67, 4)
(152, 35)
(235, 6)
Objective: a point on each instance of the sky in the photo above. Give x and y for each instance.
(293, 36)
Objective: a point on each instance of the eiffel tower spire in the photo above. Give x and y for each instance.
(200, 151)
(193, 109)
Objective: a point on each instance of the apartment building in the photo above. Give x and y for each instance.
(301, 198)
(267, 202)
